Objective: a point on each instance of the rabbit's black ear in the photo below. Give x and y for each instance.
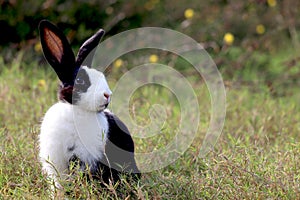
(87, 50)
(58, 52)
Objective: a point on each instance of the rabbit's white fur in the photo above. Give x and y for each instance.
(79, 129)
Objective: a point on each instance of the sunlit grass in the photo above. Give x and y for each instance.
(256, 157)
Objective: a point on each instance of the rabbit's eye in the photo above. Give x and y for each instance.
(79, 81)
(82, 81)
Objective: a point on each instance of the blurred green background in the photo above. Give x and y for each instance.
(252, 42)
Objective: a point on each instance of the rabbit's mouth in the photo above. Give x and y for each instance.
(102, 107)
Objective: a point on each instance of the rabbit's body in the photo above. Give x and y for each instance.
(79, 129)
(83, 136)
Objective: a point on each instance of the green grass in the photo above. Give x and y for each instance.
(256, 157)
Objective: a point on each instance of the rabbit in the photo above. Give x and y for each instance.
(79, 128)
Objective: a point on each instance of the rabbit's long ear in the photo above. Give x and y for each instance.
(58, 52)
(87, 50)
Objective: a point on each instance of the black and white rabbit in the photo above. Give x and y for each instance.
(79, 127)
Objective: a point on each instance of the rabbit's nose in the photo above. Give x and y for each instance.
(106, 95)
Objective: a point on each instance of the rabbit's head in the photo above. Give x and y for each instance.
(80, 85)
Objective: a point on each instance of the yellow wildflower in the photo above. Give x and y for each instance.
(272, 3)
(228, 38)
(118, 63)
(41, 83)
(153, 58)
(38, 47)
(189, 13)
(260, 29)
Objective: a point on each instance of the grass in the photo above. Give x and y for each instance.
(256, 157)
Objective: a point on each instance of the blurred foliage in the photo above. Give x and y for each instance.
(250, 22)
(240, 35)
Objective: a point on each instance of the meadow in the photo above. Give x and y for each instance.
(256, 157)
